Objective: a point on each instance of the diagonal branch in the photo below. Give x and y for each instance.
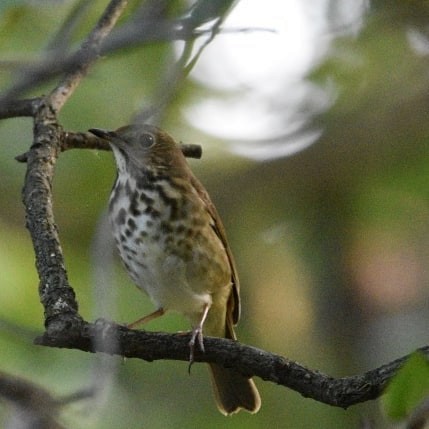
(75, 65)
(88, 52)
(33, 404)
(145, 29)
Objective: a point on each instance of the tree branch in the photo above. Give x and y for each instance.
(35, 406)
(145, 29)
(88, 53)
(89, 141)
(107, 337)
(19, 108)
(69, 140)
(75, 65)
(56, 295)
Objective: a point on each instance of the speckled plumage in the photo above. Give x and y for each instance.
(173, 245)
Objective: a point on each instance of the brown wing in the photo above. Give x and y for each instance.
(233, 312)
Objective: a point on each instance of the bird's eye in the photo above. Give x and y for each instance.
(147, 140)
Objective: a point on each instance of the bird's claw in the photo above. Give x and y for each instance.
(196, 337)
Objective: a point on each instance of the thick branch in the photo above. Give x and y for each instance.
(341, 392)
(56, 295)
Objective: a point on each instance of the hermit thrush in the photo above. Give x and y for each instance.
(173, 245)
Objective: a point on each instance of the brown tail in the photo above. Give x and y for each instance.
(233, 391)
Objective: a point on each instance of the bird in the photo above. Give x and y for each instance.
(173, 245)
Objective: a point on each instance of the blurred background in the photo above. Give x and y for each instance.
(313, 117)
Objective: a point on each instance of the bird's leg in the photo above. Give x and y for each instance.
(158, 313)
(197, 333)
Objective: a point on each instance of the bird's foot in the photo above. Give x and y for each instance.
(197, 337)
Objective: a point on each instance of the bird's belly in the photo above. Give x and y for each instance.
(160, 268)
(163, 277)
(178, 261)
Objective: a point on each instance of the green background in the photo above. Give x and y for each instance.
(331, 243)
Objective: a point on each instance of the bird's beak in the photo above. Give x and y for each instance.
(103, 134)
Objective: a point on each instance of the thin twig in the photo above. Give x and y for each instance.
(213, 31)
(89, 141)
(89, 52)
(83, 141)
(19, 108)
(61, 39)
(134, 33)
(75, 65)
(78, 140)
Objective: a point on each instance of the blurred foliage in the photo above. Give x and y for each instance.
(408, 388)
(331, 244)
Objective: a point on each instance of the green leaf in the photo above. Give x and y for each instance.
(408, 388)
